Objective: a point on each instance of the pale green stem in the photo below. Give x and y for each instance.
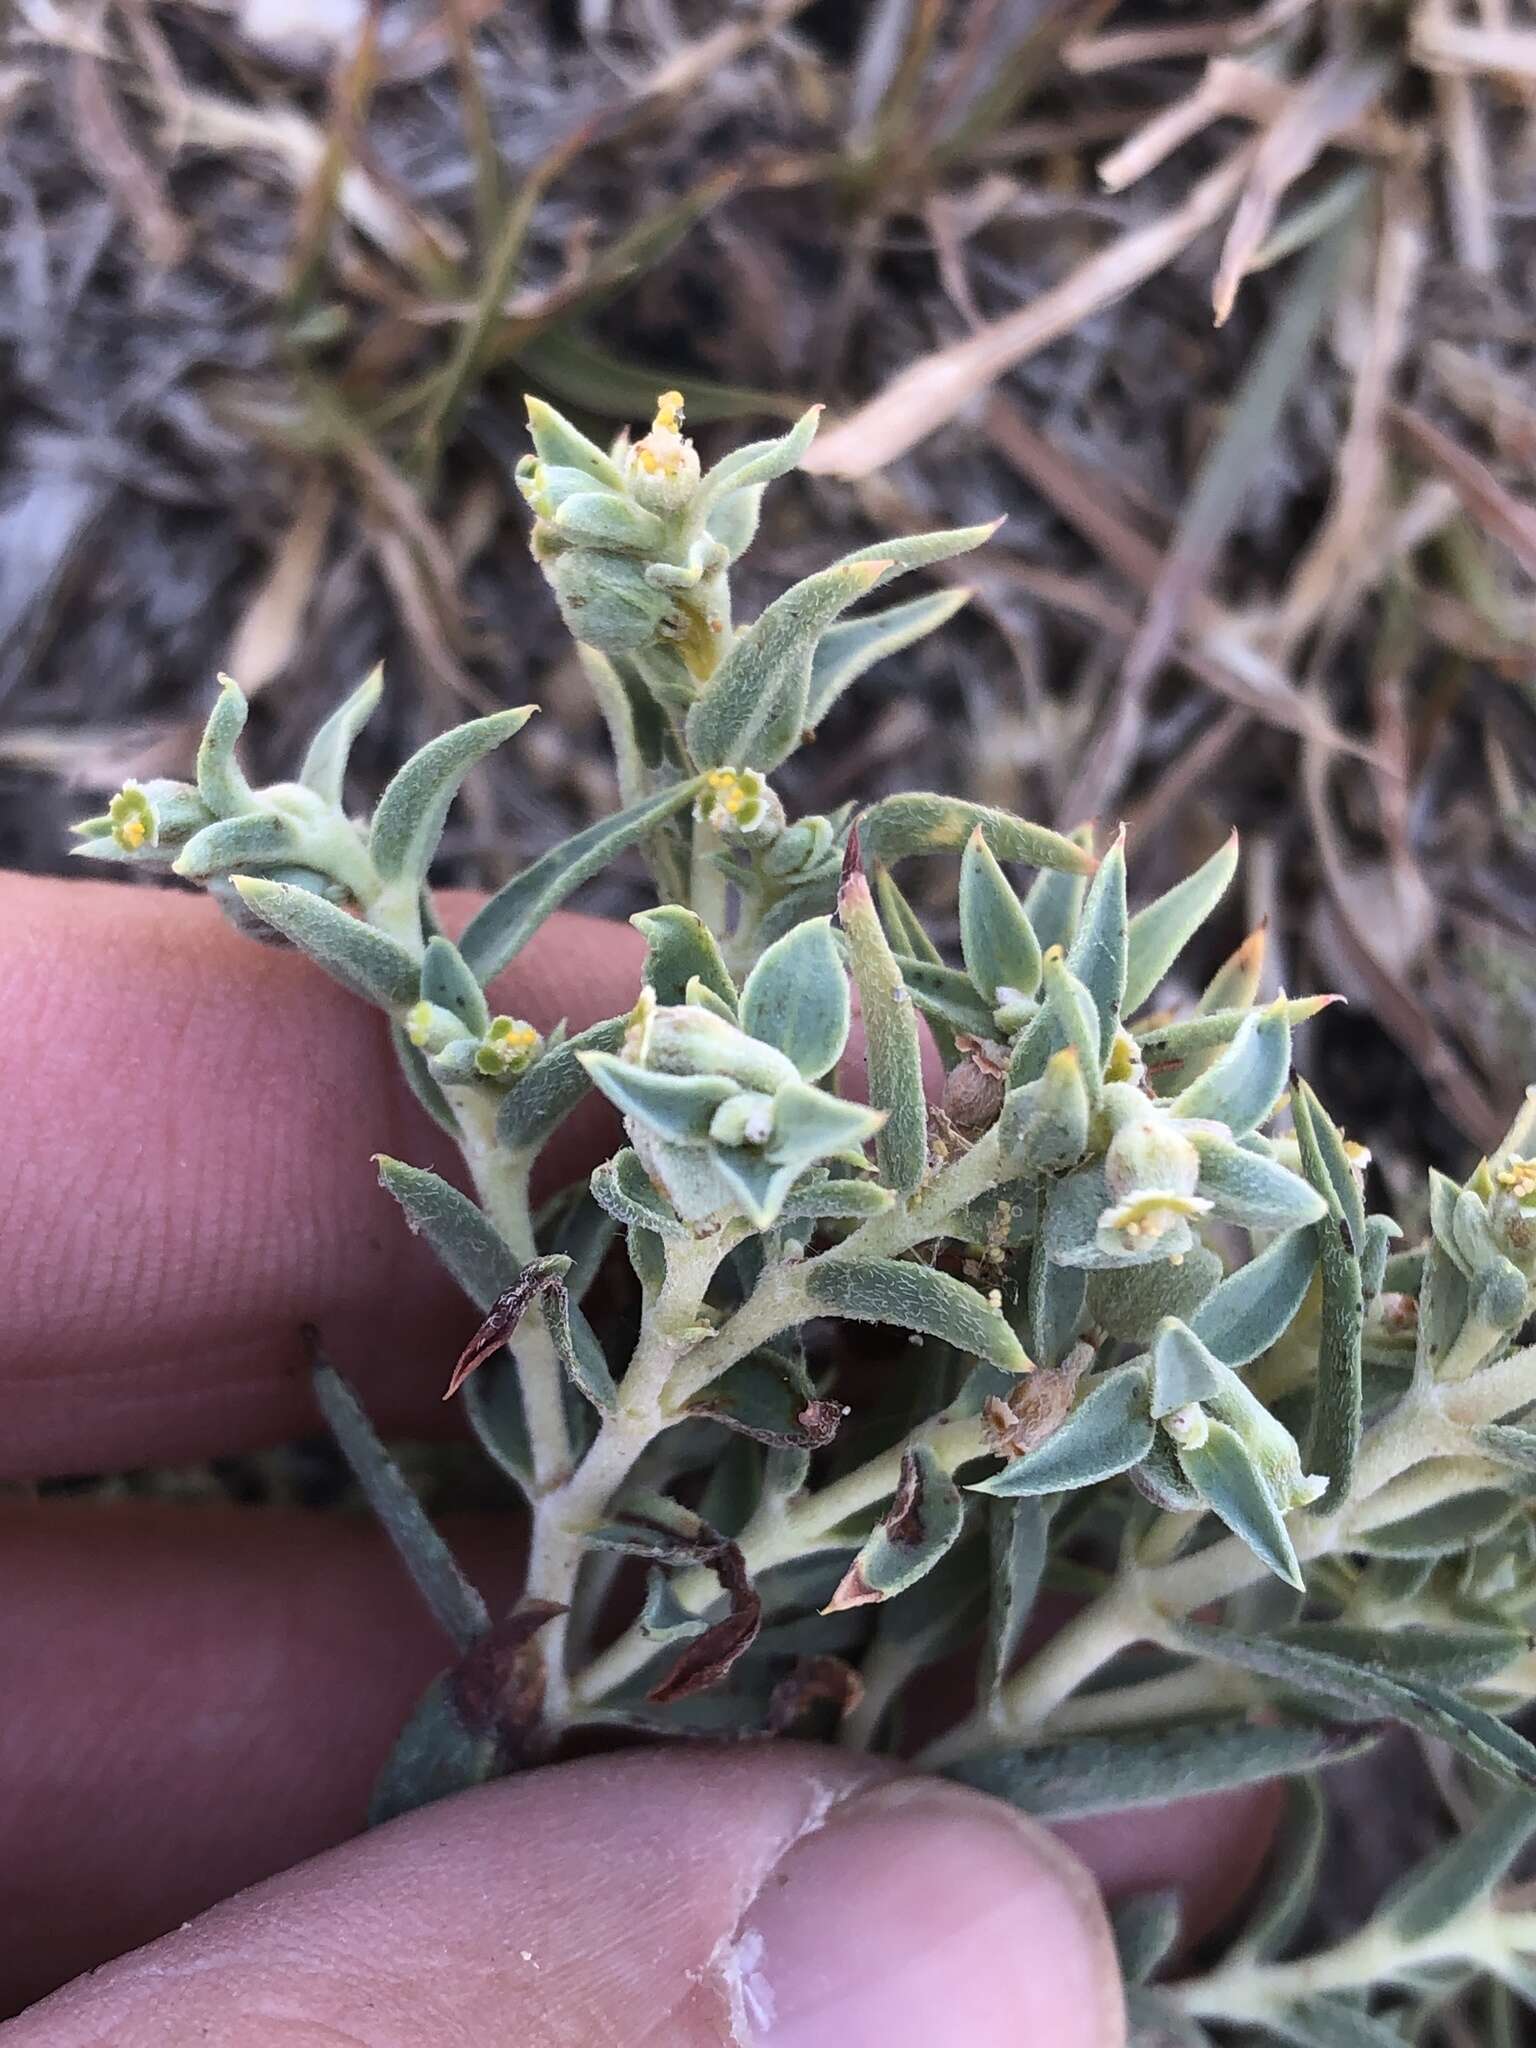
(706, 884)
(786, 1533)
(1141, 1604)
(1248, 1991)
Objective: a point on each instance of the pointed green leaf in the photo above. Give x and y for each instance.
(624, 1190)
(899, 825)
(1241, 1088)
(996, 937)
(456, 1607)
(1097, 955)
(1146, 1927)
(1329, 2023)
(1055, 900)
(1449, 1528)
(325, 765)
(1254, 1306)
(1465, 1872)
(221, 782)
(1043, 1126)
(1249, 1188)
(1339, 1409)
(925, 1517)
(1458, 1655)
(836, 1199)
(350, 951)
(679, 1107)
(460, 1232)
(563, 446)
(796, 998)
(758, 462)
(257, 839)
(681, 948)
(1018, 1537)
(501, 928)
(914, 1297)
(410, 816)
(752, 711)
(1151, 1766)
(901, 923)
(733, 519)
(1429, 1708)
(920, 550)
(1068, 1017)
(1183, 1370)
(1108, 1432)
(1273, 1919)
(1227, 1480)
(946, 997)
(447, 982)
(1057, 1298)
(1160, 933)
(892, 1051)
(1166, 1047)
(851, 647)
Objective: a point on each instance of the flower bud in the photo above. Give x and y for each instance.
(606, 601)
(662, 469)
(808, 844)
(1512, 1212)
(430, 1028)
(682, 1038)
(509, 1047)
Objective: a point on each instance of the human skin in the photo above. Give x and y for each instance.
(197, 1697)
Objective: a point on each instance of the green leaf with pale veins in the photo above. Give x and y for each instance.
(502, 927)
(413, 809)
(924, 1518)
(796, 998)
(351, 952)
(1108, 1432)
(914, 1297)
(752, 711)
(1160, 933)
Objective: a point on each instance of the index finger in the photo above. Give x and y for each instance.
(187, 1124)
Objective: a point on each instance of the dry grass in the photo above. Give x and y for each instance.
(1231, 311)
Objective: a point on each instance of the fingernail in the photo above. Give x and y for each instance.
(924, 1914)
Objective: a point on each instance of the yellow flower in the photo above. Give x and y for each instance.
(507, 1048)
(133, 819)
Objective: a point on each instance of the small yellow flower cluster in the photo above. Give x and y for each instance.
(133, 820)
(507, 1048)
(738, 804)
(1518, 1179)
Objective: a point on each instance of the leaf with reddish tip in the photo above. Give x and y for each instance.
(925, 1516)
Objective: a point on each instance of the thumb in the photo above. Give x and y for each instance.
(770, 1896)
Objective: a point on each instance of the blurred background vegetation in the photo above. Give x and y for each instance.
(1230, 309)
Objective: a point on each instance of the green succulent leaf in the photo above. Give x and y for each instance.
(759, 462)
(1108, 1432)
(892, 1051)
(1159, 934)
(1418, 1703)
(919, 550)
(459, 1232)
(1055, 899)
(996, 938)
(447, 982)
(1146, 1929)
(258, 839)
(1229, 1482)
(503, 926)
(901, 923)
(901, 825)
(1252, 1189)
(1463, 1873)
(681, 948)
(563, 446)
(605, 519)
(1183, 1370)
(946, 997)
(678, 1107)
(1018, 1533)
(1449, 1528)
(1242, 1087)
(752, 711)
(1098, 953)
(1254, 1306)
(925, 1517)
(914, 1297)
(221, 782)
(325, 765)
(413, 809)
(623, 1189)
(1043, 1126)
(853, 646)
(456, 1607)
(796, 998)
(351, 952)
(1152, 1766)
(1339, 1409)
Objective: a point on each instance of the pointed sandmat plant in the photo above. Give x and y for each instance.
(1161, 1356)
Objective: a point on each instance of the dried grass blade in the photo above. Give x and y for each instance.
(932, 391)
(1497, 511)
